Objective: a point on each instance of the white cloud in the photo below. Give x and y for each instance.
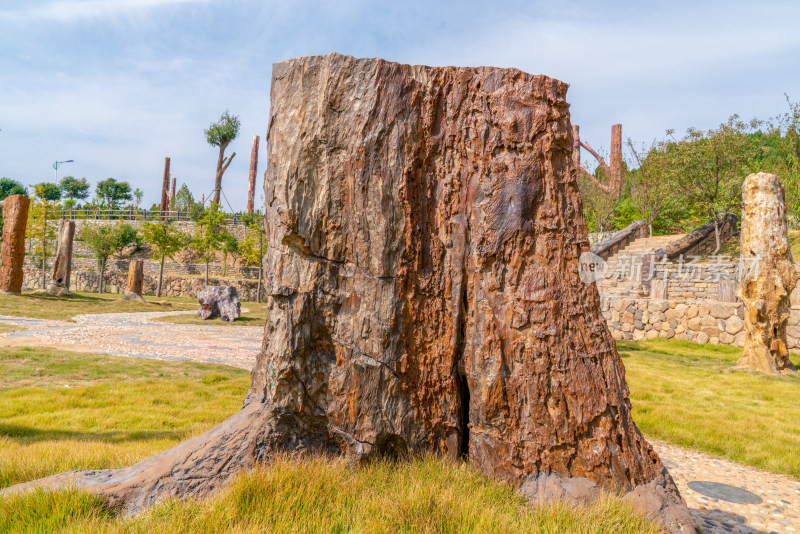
(71, 10)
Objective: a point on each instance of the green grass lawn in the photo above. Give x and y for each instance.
(44, 306)
(255, 316)
(64, 410)
(692, 396)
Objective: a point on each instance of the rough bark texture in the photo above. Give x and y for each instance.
(62, 268)
(251, 188)
(133, 288)
(219, 301)
(12, 254)
(765, 289)
(424, 233)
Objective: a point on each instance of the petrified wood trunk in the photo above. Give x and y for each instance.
(251, 183)
(165, 190)
(12, 254)
(133, 289)
(766, 286)
(424, 233)
(59, 282)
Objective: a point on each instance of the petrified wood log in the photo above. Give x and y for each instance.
(62, 268)
(424, 232)
(251, 182)
(771, 276)
(133, 288)
(12, 254)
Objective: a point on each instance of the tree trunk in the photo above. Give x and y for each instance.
(133, 287)
(165, 190)
(12, 253)
(218, 177)
(44, 248)
(771, 276)
(716, 236)
(102, 273)
(62, 266)
(260, 265)
(207, 260)
(160, 277)
(251, 187)
(467, 335)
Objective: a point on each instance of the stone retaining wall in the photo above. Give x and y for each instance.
(173, 286)
(700, 322)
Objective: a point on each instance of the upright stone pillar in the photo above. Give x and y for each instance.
(770, 277)
(251, 191)
(165, 190)
(133, 289)
(62, 268)
(12, 255)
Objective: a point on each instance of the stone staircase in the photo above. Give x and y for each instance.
(621, 278)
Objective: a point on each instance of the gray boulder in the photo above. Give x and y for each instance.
(219, 301)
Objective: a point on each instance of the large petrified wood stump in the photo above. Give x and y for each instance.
(12, 254)
(62, 268)
(133, 287)
(424, 230)
(771, 275)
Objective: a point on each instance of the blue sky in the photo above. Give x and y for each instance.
(117, 85)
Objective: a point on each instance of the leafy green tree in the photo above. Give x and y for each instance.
(107, 239)
(73, 188)
(252, 246)
(711, 166)
(220, 134)
(41, 228)
(598, 204)
(230, 245)
(137, 195)
(184, 200)
(653, 182)
(784, 140)
(209, 233)
(110, 193)
(165, 241)
(11, 187)
(47, 191)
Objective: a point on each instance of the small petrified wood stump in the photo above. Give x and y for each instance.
(12, 254)
(766, 287)
(59, 282)
(425, 227)
(133, 289)
(219, 301)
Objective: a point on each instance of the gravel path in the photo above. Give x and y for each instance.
(134, 334)
(723, 496)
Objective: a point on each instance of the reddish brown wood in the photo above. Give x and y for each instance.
(612, 171)
(12, 255)
(165, 190)
(133, 289)
(251, 190)
(172, 192)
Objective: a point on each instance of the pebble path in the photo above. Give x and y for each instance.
(723, 496)
(134, 334)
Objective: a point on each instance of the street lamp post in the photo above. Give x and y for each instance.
(57, 163)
